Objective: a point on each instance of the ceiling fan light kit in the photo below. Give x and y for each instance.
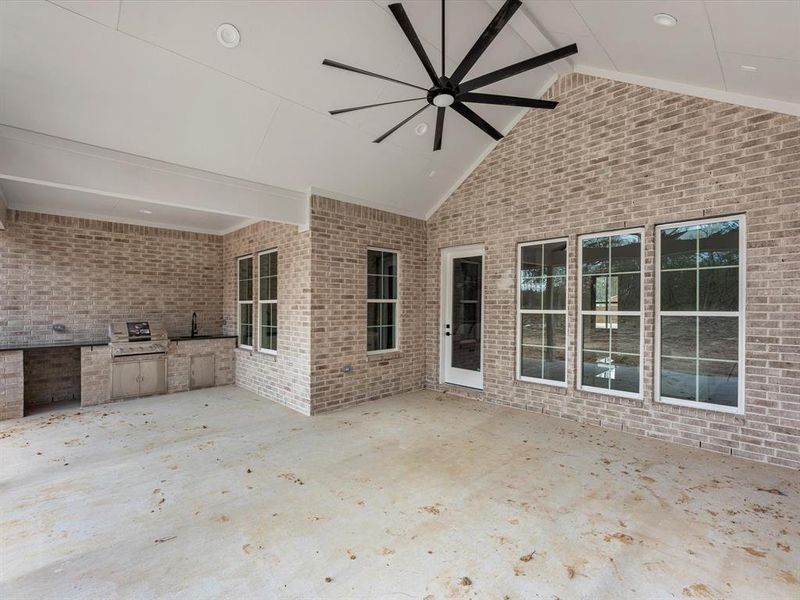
(453, 91)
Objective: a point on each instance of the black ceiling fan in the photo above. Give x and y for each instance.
(453, 91)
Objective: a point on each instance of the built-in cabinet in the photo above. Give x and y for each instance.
(138, 377)
(201, 371)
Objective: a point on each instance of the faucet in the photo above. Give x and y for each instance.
(194, 324)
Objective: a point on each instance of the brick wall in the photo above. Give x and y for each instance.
(614, 155)
(11, 385)
(95, 375)
(52, 375)
(341, 234)
(85, 273)
(284, 377)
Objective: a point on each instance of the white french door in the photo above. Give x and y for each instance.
(461, 335)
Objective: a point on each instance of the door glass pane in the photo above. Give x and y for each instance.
(719, 338)
(466, 318)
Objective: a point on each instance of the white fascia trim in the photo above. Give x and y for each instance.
(317, 191)
(779, 106)
(486, 152)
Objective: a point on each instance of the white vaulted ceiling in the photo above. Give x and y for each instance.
(148, 79)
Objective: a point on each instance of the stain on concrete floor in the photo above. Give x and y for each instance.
(218, 493)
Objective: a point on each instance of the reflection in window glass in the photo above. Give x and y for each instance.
(699, 313)
(381, 300)
(610, 312)
(543, 311)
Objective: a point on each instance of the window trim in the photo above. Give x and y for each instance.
(739, 409)
(518, 352)
(640, 313)
(261, 302)
(239, 303)
(395, 301)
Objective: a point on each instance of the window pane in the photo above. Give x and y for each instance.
(531, 329)
(624, 292)
(555, 330)
(679, 290)
(679, 247)
(273, 289)
(625, 336)
(595, 293)
(269, 338)
(263, 288)
(718, 382)
(626, 251)
(719, 289)
(373, 314)
(246, 314)
(389, 288)
(373, 338)
(679, 336)
(269, 313)
(387, 314)
(531, 292)
(624, 374)
(374, 262)
(389, 263)
(554, 258)
(387, 338)
(531, 261)
(595, 255)
(719, 244)
(263, 265)
(597, 332)
(245, 268)
(595, 369)
(678, 378)
(719, 338)
(531, 362)
(246, 290)
(555, 293)
(273, 264)
(554, 364)
(374, 287)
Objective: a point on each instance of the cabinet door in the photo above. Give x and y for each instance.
(153, 377)
(125, 379)
(201, 371)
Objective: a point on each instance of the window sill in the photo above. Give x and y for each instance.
(610, 394)
(555, 384)
(384, 355)
(702, 407)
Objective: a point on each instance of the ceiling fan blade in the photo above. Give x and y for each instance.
(492, 29)
(344, 110)
(476, 120)
(402, 19)
(338, 65)
(437, 138)
(378, 140)
(517, 68)
(506, 100)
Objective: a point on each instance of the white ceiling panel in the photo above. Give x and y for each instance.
(637, 45)
(104, 12)
(103, 88)
(757, 27)
(57, 201)
(779, 78)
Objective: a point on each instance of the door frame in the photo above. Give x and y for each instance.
(445, 305)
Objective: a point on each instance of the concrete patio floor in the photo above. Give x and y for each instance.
(221, 494)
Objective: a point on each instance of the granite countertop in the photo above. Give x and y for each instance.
(188, 338)
(53, 344)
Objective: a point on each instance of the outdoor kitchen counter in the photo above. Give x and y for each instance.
(46, 345)
(200, 338)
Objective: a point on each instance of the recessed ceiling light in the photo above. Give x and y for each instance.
(421, 128)
(228, 35)
(665, 20)
(144, 211)
(748, 68)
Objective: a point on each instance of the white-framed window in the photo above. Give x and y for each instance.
(268, 301)
(542, 312)
(244, 295)
(609, 307)
(700, 291)
(382, 277)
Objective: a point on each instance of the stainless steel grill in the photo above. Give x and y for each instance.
(139, 358)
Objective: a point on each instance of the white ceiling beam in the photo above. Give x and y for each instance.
(526, 27)
(36, 158)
